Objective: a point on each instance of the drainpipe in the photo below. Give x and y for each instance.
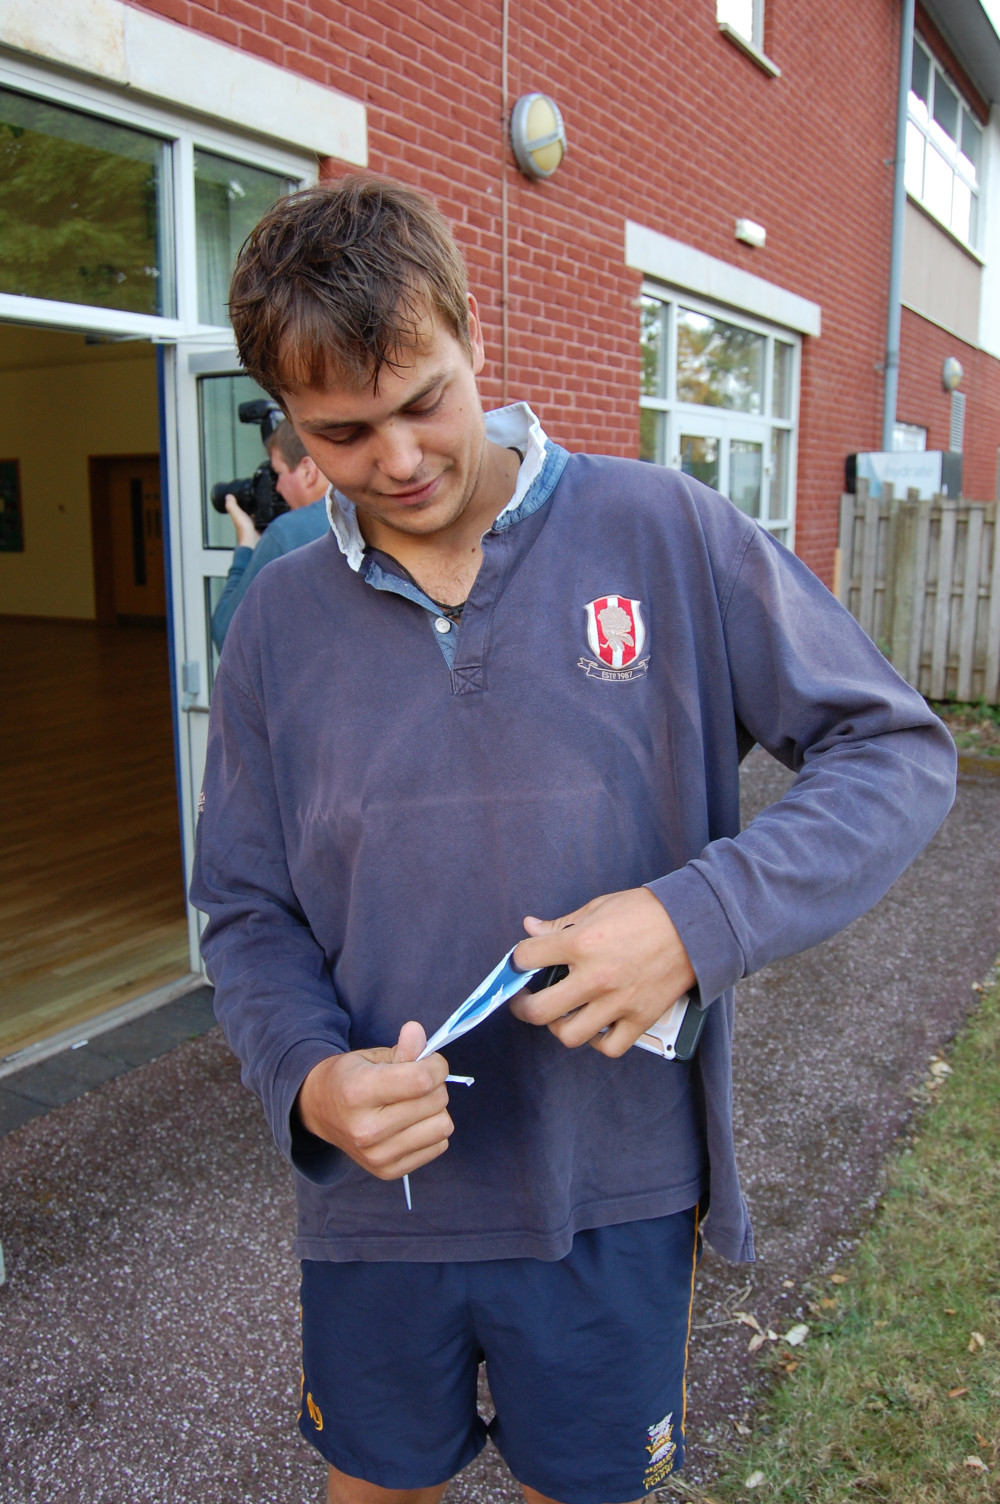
(898, 221)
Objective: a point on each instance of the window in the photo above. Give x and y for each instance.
(230, 197)
(84, 209)
(121, 217)
(719, 402)
(745, 17)
(943, 148)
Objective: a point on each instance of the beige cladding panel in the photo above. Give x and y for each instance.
(941, 281)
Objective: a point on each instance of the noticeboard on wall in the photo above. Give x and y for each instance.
(11, 528)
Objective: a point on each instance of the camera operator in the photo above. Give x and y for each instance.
(302, 488)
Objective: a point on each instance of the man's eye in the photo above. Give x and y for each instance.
(340, 437)
(426, 408)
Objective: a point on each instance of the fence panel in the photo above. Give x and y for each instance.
(923, 580)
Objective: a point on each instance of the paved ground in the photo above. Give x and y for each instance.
(148, 1348)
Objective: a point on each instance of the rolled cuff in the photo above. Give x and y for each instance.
(707, 936)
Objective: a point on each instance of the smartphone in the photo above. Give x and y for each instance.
(675, 1036)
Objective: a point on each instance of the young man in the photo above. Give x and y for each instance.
(302, 488)
(510, 682)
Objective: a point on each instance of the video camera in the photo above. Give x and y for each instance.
(257, 494)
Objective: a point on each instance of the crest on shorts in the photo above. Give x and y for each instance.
(616, 636)
(662, 1451)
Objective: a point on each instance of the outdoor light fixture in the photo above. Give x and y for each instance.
(951, 374)
(537, 135)
(750, 232)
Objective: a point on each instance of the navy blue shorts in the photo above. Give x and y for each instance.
(585, 1358)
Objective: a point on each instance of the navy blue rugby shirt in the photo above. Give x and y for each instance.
(380, 813)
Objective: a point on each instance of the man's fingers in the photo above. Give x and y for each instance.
(409, 1149)
(411, 1041)
(550, 1003)
(386, 1082)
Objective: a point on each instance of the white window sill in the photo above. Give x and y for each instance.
(740, 41)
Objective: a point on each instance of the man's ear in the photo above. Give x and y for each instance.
(478, 347)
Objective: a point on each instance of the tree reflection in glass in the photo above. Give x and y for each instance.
(719, 364)
(81, 215)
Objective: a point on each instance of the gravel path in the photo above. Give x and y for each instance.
(148, 1345)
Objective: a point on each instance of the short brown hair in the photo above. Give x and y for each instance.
(337, 278)
(288, 444)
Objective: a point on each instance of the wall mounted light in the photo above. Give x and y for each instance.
(537, 135)
(951, 374)
(750, 232)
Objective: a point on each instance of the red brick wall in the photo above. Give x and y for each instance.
(669, 125)
(923, 400)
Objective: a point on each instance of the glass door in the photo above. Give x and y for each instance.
(730, 457)
(205, 443)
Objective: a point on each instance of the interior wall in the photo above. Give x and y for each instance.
(73, 401)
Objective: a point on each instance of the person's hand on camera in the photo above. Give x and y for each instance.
(387, 1110)
(627, 966)
(247, 535)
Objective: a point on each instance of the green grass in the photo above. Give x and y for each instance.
(887, 1401)
(975, 727)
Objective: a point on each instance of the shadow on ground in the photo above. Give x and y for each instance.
(148, 1324)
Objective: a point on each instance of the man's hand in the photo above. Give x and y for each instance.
(385, 1108)
(247, 535)
(627, 966)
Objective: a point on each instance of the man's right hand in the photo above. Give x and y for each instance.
(384, 1108)
(247, 535)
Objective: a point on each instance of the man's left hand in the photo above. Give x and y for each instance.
(627, 966)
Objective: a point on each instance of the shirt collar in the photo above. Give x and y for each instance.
(513, 427)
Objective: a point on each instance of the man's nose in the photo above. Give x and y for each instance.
(399, 453)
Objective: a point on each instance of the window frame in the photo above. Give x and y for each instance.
(182, 137)
(935, 139)
(729, 423)
(752, 44)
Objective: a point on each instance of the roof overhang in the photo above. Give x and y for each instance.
(972, 37)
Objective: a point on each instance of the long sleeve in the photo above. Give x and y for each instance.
(274, 995)
(876, 776)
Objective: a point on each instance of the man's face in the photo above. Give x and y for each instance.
(409, 455)
(296, 487)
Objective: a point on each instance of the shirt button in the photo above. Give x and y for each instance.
(442, 625)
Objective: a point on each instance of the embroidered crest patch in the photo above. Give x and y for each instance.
(662, 1451)
(616, 635)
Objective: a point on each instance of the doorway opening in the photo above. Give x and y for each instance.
(91, 874)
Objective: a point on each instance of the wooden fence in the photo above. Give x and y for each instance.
(923, 579)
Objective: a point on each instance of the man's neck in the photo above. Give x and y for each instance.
(445, 564)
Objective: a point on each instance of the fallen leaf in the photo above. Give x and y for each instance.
(797, 1335)
(771, 1336)
(950, 1311)
(788, 1284)
(755, 1479)
(742, 1430)
(940, 1068)
(977, 1463)
(829, 1303)
(954, 1394)
(976, 1340)
(839, 1279)
(880, 1325)
(790, 1367)
(747, 1319)
(756, 1342)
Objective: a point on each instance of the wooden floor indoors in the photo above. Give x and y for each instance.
(91, 882)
